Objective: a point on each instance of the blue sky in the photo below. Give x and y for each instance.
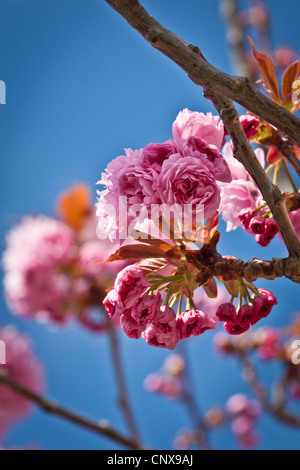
(81, 86)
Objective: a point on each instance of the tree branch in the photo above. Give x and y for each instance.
(202, 73)
(244, 153)
(275, 409)
(121, 382)
(103, 427)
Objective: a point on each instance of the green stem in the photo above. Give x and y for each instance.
(290, 178)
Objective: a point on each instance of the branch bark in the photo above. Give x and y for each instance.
(202, 73)
(244, 153)
(103, 427)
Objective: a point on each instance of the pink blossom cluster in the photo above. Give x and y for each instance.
(241, 194)
(238, 322)
(168, 382)
(52, 273)
(185, 170)
(264, 228)
(140, 312)
(22, 367)
(245, 414)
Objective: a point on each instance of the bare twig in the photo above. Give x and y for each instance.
(276, 409)
(190, 59)
(121, 382)
(235, 36)
(102, 428)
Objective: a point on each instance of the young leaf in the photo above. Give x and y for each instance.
(268, 70)
(138, 251)
(289, 77)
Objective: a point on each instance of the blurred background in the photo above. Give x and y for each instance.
(81, 86)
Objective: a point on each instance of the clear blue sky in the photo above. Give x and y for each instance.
(81, 86)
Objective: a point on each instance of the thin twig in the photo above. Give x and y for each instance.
(244, 153)
(235, 36)
(102, 427)
(276, 409)
(121, 382)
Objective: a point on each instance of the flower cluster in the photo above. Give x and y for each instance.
(238, 322)
(184, 171)
(140, 311)
(168, 382)
(244, 414)
(52, 269)
(22, 367)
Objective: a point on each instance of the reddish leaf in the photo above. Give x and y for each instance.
(289, 77)
(268, 70)
(151, 265)
(138, 251)
(152, 241)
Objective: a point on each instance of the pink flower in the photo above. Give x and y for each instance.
(257, 225)
(246, 216)
(269, 343)
(250, 125)
(185, 181)
(208, 305)
(38, 251)
(236, 196)
(263, 303)
(246, 315)
(23, 368)
(194, 322)
(163, 331)
(131, 327)
(209, 156)
(236, 328)
(202, 126)
(130, 284)
(164, 385)
(146, 308)
(156, 154)
(111, 305)
(238, 170)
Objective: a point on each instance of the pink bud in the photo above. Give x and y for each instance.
(246, 314)
(130, 327)
(246, 216)
(194, 322)
(130, 284)
(226, 312)
(257, 225)
(250, 125)
(235, 328)
(264, 302)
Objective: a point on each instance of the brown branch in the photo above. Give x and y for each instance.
(244, 153)
(235, 36)
(231, 269)
(202, 73)
(277, 410)
(102, 428)
(121, 382)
